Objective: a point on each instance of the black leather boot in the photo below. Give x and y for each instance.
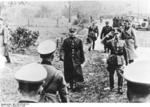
(120, 91)
(8, 59)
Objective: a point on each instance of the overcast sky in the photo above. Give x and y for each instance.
(143, 6)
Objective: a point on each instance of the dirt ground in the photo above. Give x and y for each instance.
(95, 87)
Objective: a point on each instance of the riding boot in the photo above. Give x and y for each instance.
(93, 45)
(120, 90)
(89, 48)
(8, 59)
(120, 81)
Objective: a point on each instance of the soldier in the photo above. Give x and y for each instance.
(116, 61)
(93, 33)
(4, 41)
(73, 56)
(30, 78)
(101, 19)
(107, 38)
(114, 22)
(130, 38)
(106, 29)
(55, 84)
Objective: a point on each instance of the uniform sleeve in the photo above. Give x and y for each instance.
(63, 92)
(111, 28)
(89, 29)
(82, 52)
(102, 33)
(125, 54)
(62, 50)
(6, 34)
(97, 31)
(134, 36)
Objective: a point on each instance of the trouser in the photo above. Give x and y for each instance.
(6, 53)
(105, 48)
(93, 46)
(7, 58)
(119, 71)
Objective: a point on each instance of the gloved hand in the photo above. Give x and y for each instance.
(135, 46)
(61, 59)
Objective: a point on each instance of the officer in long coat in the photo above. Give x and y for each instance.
(129, 36)
(54, 88)
(116, 61)
(73, 55)
(105, 30)
(30, 79)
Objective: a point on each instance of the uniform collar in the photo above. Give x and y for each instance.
(72, 37)
(46, 62)
(127, 28)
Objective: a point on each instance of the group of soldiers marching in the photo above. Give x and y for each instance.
(47, 84)
(120, 43)
(42, 82)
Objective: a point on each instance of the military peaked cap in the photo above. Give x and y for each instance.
(31, 73)
(138, 72)
(46, 47)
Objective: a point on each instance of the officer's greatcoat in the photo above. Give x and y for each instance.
(72, 49)
(129, 36)
(3, 41)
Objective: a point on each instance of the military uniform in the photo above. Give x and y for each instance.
(116, 22)
(30, 77)
(105, 31)
(72, 51)
(4, 38)
(116, 62)
(55, 85)
(129, 36)
(107, 38)
(93, 34)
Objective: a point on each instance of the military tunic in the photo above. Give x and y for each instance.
(93, 30)
(129, 36)
(116, 61)
(106, 30)
(57, 86)
(3, 42)
(93, 33)
(72, 49)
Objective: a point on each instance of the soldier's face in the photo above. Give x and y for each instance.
(93, 24)
(126, 24)
(71, 34)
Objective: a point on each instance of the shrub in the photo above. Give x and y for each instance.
(23, 38)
